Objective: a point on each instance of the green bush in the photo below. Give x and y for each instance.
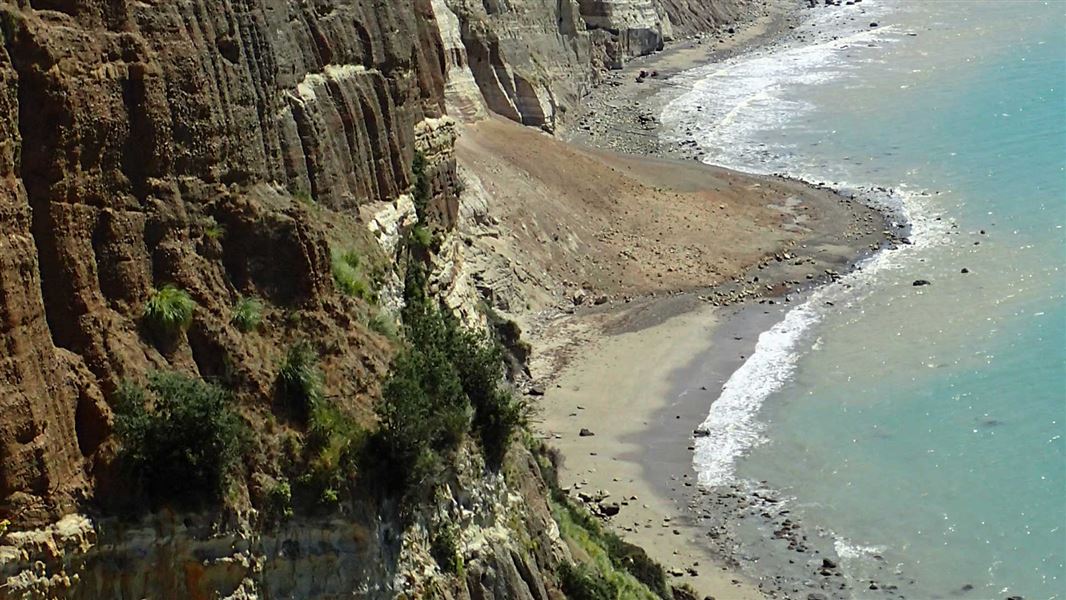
(301, 379)
(421, 237)
(581, 582)
(247, 314)
(444, 547)
(169, 310)
(214, 231)
(279, 499)
(423, 414)
(382, 323)
(497, 414)
(349, 276)
(636, 562)
(444, 376)
(334, 442)
(421, 186)
(179, 436)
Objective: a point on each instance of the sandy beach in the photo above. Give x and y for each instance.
(616, 392)
(639, 375)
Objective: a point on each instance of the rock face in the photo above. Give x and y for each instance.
(133, 135)
(533, 59)
(688, 17)
(509, 543)
(530, 58)
(628, 27)
(229, 148)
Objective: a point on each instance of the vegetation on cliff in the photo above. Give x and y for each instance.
(181, 438)
(611, 567)
(169, 310)
(444, 381)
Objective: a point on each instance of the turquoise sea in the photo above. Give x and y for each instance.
(923, 426)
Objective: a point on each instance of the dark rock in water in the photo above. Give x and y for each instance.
(1015, 598)
(828, 563)
(585, 432)
(964, 270)
(966, 588)
(817, 596)
(873, 24)
(700, 432)
(921, 282)
(610, 510)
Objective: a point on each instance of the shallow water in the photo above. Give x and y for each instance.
(923, 424)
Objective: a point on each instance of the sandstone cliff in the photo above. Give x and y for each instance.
(233, 149)
(146, 144)
(532, 60)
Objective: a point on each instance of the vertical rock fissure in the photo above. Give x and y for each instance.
(39, 149)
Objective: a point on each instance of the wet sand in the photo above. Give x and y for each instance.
(641, 375)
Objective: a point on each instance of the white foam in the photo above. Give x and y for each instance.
(728, 103)
(848, 551)
(732, 425)
(726, 106)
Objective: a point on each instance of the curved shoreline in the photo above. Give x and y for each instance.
(694, 348)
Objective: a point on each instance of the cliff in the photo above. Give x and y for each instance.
(189, 144)
(234, 150)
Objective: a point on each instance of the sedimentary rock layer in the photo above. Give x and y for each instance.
(132, 135)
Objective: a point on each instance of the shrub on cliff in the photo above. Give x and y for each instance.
(301, 379)
(247, 314)
(421, 189)
(444, 547)
(444, 376)
(169, 310)
(581, 582)
(334, 441)
(179, 436)
(498, 415)
(384, 324)
(349, 277)
(423, 414)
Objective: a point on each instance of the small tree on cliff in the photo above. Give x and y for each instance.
(179, 437)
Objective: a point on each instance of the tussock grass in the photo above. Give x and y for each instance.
(169, 310)
(349, 276)
(247, 314)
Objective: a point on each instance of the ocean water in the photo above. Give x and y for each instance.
(923, 426)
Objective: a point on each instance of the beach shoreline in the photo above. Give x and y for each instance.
(647, 371)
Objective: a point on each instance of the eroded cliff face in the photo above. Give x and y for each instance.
(532, 60)
(509, 542)
(231, 148)
(221, 147)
